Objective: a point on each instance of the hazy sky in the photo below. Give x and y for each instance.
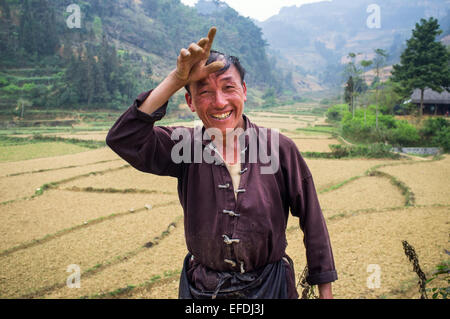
(258, 9)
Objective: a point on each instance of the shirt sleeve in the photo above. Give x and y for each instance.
(304, 203)
(136, 139)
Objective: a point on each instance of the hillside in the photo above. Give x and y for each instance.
(317, 37)
(121, 48)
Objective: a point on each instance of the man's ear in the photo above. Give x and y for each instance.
(188, 98)
(244, 86)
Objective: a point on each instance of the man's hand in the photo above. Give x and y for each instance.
(190, 68)
(191, 61)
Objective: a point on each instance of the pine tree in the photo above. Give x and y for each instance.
(379, 61)
(348, 92)
(26, 30)
(37, 32)
(424, 63)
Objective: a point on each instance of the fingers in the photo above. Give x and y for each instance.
(195, 49)
(191, 61)
(214, 67)
(184, 53)
(202, 47)
(192, 51)
(202, 42)
(211, 35)
(206, 43)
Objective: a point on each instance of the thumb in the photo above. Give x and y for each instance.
(214, 67)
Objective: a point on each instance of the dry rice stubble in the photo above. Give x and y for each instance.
(375, 238)
(45, 265)
(143, 270)
(16, 187)
(24, 221)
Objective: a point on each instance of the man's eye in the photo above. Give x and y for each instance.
(229, 87)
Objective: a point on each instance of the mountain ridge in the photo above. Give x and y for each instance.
(316, 37)
(146, 36)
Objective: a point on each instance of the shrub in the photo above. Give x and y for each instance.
(336, 112)
(436, 132)
(433, 125)
(3, 81)
(376, 150)
(11, 89)
(442, 139)
(362, 128)
(404, 134)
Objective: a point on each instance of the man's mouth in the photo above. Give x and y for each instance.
(222, 116)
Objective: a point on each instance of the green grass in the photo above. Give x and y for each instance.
(319, 129)
(339, 185)
(11, 153)
(35, 130)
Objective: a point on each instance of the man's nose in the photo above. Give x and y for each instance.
(221, 100)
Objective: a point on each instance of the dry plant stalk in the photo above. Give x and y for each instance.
(414, 259)
(307, 290)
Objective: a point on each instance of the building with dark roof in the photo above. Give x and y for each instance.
(434, 103)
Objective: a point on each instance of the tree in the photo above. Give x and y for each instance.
(379, 61)
(37, 32)
(355, 83)
(365, 64)
(424, 63)
(21, 104)
(365, 100)
(348, 92)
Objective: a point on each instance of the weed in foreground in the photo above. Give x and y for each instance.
(414, 259)
(307, 290)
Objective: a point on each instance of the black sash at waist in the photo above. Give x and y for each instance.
(266, 283)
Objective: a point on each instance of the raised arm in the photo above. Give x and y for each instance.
(191, 67)
(134, 136)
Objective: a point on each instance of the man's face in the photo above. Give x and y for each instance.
(219, 100)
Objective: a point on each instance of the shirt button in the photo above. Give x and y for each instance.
(242, 267)
(231, 213)
(229, 241)
(231, 262)
(243, 171)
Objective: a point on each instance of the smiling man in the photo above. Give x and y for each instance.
(235, 216)
(219, 99)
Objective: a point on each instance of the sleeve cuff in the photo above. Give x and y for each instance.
(322, 278)
(155, 116)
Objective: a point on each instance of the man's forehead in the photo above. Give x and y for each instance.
(231, 74)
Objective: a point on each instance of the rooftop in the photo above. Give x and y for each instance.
(431, 97)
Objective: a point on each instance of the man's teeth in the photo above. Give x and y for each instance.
(221, 116)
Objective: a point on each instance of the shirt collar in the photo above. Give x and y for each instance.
(247, 124)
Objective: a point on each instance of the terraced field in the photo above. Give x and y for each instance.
(38, 217)
(314, 144)
(94, 136)
(126, 179)
(124, 228)
(416, 176)
(25, 185)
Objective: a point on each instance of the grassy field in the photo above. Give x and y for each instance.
(63, 204)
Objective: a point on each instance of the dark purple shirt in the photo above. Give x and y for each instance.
(257, 219)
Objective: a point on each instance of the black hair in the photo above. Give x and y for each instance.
(228, 60)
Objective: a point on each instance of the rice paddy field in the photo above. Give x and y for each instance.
(64, 204)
